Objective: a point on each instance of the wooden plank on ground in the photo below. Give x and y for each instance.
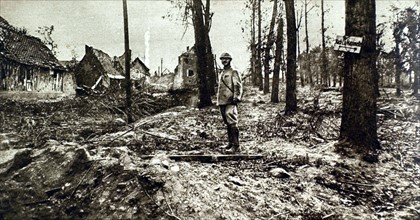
(210, 158)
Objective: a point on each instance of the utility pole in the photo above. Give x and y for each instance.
(127, 64)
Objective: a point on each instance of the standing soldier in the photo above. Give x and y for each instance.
(229, 94)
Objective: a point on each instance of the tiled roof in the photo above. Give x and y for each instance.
(25, 49)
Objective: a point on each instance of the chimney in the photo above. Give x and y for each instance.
(88, 49)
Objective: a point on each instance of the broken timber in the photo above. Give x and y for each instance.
(209, 158)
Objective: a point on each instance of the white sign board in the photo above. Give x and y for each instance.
(348, 44)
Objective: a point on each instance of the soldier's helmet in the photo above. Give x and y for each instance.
(225, 55)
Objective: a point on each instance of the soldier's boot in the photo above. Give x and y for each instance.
(235, 141)
(229, 145)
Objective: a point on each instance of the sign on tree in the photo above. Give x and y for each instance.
(348, 44)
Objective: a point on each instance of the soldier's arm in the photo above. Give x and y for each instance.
(237, 85)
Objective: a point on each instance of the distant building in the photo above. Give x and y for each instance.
(98, 71)
(186, 70)
(27, 64)
(140, 73)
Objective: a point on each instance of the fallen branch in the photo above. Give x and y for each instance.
(126, 132)
(411, 208)
(52, 191)
(142, 131)
(208, 158)
(203, 142)
(277, 215)
(154, 201)
(112, 108)
(159, 136)
(172, 211)
(357, 184)
(37, 202)
(329, 215)
(80, 182)
(394, 112)
(383, 89)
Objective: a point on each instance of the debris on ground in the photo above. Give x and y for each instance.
(79, 159)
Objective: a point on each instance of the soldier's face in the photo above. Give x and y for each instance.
(225, 61)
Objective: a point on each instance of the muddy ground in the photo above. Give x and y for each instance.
(78, 159)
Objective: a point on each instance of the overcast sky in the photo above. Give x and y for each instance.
(100, 24)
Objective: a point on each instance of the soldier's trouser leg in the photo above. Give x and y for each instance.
(230, 118)
(235, 136)
(229, 130)
(229, 114)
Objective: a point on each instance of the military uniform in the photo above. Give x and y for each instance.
(229, 94)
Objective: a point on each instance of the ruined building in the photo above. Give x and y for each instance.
(186, 70)
(27, 64)
(98, 71)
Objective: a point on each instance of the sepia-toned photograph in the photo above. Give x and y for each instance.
(210, 109)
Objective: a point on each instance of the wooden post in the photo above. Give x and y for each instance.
(127, 64)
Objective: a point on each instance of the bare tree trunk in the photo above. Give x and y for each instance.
(415, 62)
(211, 74)
(299, 24)
(383, 79)
(127, 64)
(308, 66)
(291, 101)
(200, 48)
(398, 65)
(378, 50)
(267, 55)
(277, 62)
(259, 43)
(283, 70)
(358, 130)
(324, 73)
(283, 65)
(410, 79)
(253, 47)
(210, 67)
(412, 24)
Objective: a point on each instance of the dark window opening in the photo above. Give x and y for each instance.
(190, 73)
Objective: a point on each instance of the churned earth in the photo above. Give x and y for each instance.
(77, 158)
